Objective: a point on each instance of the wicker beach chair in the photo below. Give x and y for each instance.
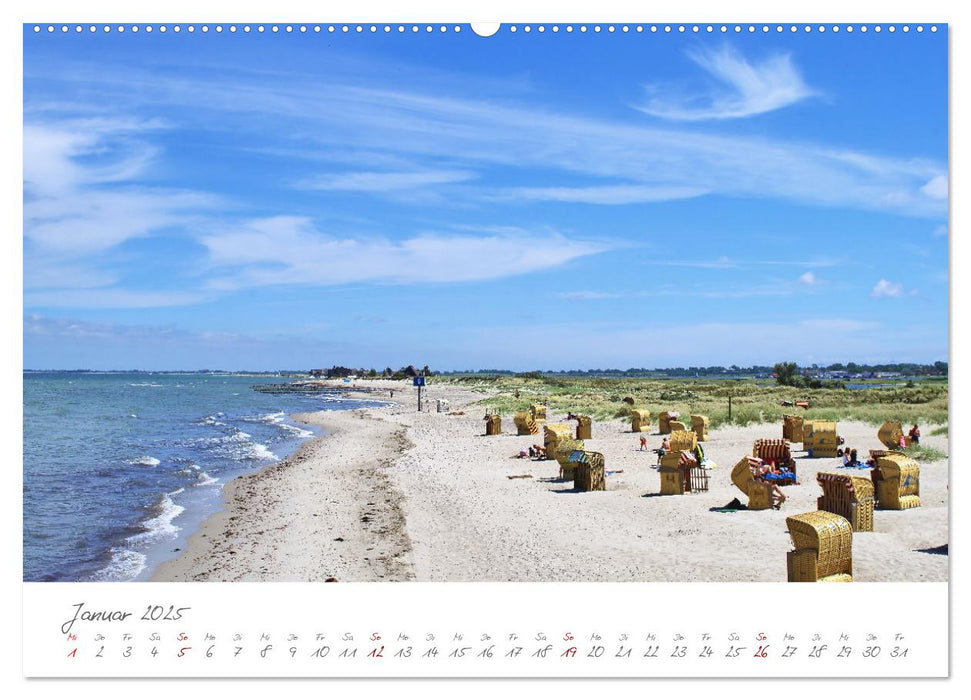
(700, 425)
(681, 473)
(682, 440)
(890, 434)
(640, 421)
(819, 438)
(538, 411)
(823, 551)
(848, 496)
(759, 493)
(896, 478)
(664, 421)
(525, 424)
(584, 428)
(779, 451)
(588, 471)
(792, 428)
(564, 448)
(552, 434)
(493, 424)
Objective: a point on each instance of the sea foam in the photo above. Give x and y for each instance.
(144, 461)
(125, 565)
(160, 525)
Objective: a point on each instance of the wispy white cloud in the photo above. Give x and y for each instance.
(81, 191)
(884, 289)
(407, 126)
(936, 187)
(604, 194)
(376, 181)
(747, 88)
(808, 279)
(290, 250)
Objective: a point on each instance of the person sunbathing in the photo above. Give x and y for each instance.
(765, 473)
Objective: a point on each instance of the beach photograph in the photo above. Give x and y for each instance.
(530, 303)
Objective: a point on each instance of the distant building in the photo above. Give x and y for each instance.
(318, 372)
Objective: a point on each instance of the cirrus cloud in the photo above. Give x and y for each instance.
(748, 88)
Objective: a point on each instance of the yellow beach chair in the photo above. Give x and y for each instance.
(823, 544)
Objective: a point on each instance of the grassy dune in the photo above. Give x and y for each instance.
(752, 401)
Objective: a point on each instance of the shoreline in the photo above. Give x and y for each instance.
(274, 524)
(390, 494)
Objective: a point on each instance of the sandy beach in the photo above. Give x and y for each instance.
(390, 494)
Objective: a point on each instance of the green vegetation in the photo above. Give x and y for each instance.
(940, 430)
(752, 400)
(786, 373)
(923, 453)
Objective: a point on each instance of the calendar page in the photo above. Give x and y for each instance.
(547, 347)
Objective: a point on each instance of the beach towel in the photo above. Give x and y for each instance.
(733, 506)
(781, 476)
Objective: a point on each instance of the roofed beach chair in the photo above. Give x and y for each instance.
(640, 421)
(848, 496)
(681, 473)
(564, 448)
(792, 428)
(896, 478)
(525, 425)
(664, 421)
(700, 425)
(552, 434)
(538, 411)
(759, 492)
(890, 434)
(819, 438)
(584, 428)
(682, 440)
(779, 452)
(823, 544)
(674, 425)
(493, 424)
(588, 471)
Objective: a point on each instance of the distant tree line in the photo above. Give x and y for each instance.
(936, 369)
(340, 372)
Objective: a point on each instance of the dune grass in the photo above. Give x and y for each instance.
(923, 453)
(752, 401)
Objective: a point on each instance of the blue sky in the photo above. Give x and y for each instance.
(523, 201)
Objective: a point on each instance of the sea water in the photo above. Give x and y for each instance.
(119, 469)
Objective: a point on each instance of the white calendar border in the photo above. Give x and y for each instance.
(438, 10)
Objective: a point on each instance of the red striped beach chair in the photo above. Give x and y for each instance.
(778, 451)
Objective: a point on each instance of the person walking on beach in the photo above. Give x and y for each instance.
(915, 435)
(643, 443)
